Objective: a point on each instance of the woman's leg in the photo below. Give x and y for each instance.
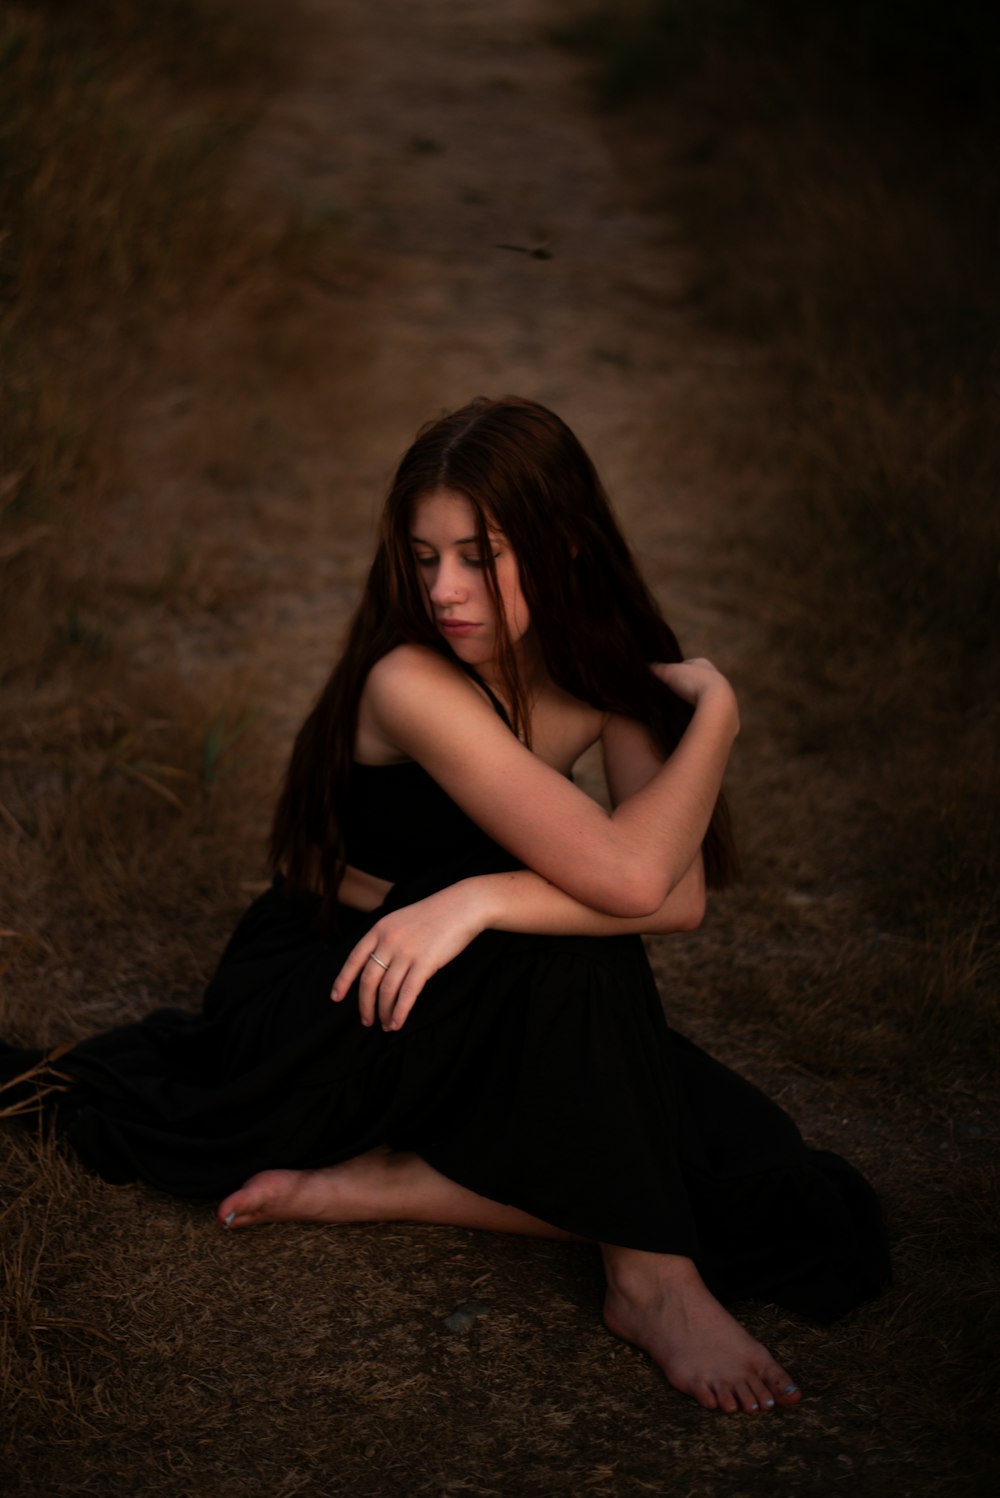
(657, 1301)
(382, 1186)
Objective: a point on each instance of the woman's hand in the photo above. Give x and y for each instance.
(406, 948)
(696, 680)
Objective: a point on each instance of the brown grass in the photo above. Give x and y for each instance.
(853, 975)
(837, 190)
(840, 202)
(125, 771)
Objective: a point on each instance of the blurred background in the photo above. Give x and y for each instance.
(748, 251)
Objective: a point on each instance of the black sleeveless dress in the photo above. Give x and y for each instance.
(538, 1071)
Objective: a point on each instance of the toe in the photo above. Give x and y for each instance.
(762, 1397)
(705, 1394)
(748, 1398)
(239, 1211)
(727, 1401)
(782, 1389)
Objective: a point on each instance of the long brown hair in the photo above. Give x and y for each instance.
(594, 620)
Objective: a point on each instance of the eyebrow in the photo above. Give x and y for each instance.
(465, 540)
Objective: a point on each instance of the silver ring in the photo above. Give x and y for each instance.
(373, 958)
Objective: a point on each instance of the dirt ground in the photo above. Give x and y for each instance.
(416, 144)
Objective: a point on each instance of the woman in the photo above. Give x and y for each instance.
(442, 1010)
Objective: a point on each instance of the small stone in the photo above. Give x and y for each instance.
(466, 1315)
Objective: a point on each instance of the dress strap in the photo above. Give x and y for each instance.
(498, 706)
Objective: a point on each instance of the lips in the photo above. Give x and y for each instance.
(456, 627)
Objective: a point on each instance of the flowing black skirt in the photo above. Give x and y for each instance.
(537, 1071)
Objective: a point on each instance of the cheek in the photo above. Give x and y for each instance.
(518, 614)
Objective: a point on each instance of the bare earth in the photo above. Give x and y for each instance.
(414, 141)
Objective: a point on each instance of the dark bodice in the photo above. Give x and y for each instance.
(400, 823)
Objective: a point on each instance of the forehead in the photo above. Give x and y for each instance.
(445, 516)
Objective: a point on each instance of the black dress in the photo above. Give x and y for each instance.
(538, 1071)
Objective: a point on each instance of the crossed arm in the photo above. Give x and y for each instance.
(418, 940)
(413, 943)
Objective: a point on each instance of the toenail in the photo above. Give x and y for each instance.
(792, 1389)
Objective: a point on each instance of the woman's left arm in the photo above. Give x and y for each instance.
(524, 901)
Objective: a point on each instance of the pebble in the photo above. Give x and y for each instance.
(466, 1315)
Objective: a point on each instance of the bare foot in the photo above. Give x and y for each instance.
(383, 1186)
(661, 1303)
(353, 1191)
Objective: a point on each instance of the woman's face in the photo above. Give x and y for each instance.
(446, 551)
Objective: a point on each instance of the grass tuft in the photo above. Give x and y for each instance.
(218, 742)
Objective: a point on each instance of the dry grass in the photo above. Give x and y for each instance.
(834, 176)
(140, 1351)
(126, 767)
(837, 179)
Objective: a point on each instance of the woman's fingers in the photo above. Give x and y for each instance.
(378, 988)
(393, 961)
(695, 681)
(388, 992)
(687, 678)
(399, 990)
(407, 995)
(353, 966)
(391, 994)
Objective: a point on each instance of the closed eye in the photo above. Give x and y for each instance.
(430, 559)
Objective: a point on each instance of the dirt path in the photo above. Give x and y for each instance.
(413, 140)
(417, 139)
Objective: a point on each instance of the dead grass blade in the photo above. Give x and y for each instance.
(151, 783)
(15, 827)
(48, 1081)
(67, 1324)
(17, 545)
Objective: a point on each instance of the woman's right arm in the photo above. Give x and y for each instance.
(413, 943)
(624, 863)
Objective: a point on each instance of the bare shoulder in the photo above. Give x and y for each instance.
(407, 696)
(403, 661)
(405, 676)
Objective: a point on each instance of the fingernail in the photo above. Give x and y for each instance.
(334, 994)
(229, 1219)
(792, 1389)
(755, 1406)
(769, 1403)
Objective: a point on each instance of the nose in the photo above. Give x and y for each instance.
(448, 586)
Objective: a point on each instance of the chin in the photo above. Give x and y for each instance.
(467, 652)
